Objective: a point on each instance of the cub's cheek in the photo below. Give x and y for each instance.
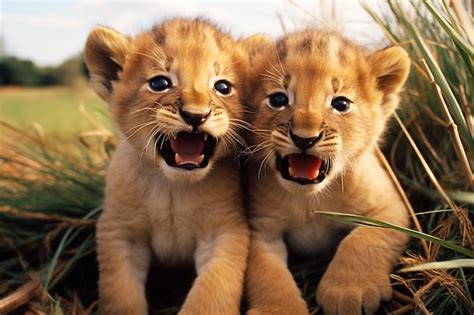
(218, 126)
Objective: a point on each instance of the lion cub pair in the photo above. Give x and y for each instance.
(316, 106)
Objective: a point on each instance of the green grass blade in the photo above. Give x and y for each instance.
(465, 197)
(440, 79)
(458, 40)
(466, 285)
(54, 261)
(452, 20)
(464, 48)
(369, 222)
(71, 261)
(65, 240)
(390, 35)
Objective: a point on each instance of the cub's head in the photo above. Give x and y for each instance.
(318, 101)
(173, 92)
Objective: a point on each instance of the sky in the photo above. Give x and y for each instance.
(48, 32)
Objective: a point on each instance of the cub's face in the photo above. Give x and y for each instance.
(318, 101)
(173, 92)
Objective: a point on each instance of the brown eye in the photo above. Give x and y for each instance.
(341, 104)
(278, 101)
(224, 87)
(159, 83)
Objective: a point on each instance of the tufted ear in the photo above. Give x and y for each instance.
(391, 67)
(253, 44)
(104, 55)
(252, 48)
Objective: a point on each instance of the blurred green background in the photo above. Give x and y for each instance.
(48, 97)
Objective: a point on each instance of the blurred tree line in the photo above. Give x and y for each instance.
(15, 71)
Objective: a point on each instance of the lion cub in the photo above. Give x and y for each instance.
(320, 104)
(172, 187)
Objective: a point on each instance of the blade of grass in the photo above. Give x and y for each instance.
(425, 165)
(464, 19)
(54, 261)
(308, 13)
(442, 82)
(391, 37)
(450, 264)
(458, 40)
(434, 211)
(61, 247)
(369, 222)
(466, 285)
(20, 296)
(395, 181)
(452, 20)
(465, 197)
(71, 261)
(452, 128)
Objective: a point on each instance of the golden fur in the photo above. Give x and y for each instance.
(152, 208)
(314, 68)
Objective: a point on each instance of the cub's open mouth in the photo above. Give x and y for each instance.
(303, 168)
(189, 150)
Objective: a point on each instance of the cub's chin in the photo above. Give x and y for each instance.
(303, 173)
(187, 156)
(181, 175)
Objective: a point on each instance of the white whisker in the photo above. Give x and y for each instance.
(155, 131)
(140, 127)
(257, 147)
(265, 161)
(143, 109)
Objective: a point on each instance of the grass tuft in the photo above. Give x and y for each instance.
(49, 199)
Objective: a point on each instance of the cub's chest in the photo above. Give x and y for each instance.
(316, 236)
(174, 227)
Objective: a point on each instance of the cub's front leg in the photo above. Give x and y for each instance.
(123, 258)
(220, 263)
(358, 276)
(270, 288)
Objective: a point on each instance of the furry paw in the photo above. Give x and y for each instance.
(289, 306)
(278, 310)
(351, 292)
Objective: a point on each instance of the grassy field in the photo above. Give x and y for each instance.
(56, 108)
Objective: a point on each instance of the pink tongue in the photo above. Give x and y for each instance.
(304, 166)
(188, 146)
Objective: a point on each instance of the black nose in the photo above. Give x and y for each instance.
(305, 143)
(194, 119)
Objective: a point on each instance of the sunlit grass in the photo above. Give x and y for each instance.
(432, 152)
(55, 109)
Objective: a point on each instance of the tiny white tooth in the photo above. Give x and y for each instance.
(178, 159)
(205, 136)
(201, 158)
(316, 174)
(291, 172)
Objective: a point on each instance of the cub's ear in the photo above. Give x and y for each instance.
(253, 44)
(104, 55)
(390, 67)
(249, 49)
